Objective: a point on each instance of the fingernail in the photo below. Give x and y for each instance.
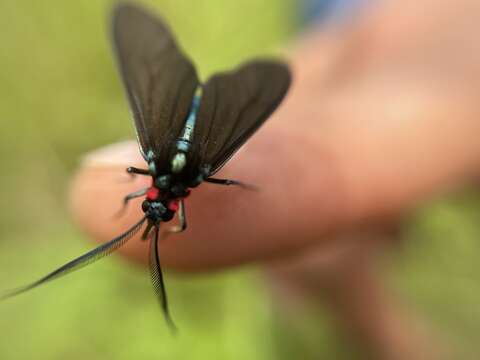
(121, 153)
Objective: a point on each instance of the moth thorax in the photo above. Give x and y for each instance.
(163, 182)
(178, 162)
(183, 144)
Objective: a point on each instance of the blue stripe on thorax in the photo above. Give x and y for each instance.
(185, 140)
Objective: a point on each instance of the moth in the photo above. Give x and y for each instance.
(186, 130)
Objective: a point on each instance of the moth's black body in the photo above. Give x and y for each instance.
(186, 130)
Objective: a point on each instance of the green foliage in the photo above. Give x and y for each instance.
(61, 96)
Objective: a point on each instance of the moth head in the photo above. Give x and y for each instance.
(156, 211)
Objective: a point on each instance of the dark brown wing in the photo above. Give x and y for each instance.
(233, 106)
(160, 81)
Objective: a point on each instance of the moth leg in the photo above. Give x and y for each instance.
(129, 197)
(231, 182)
(136, 171)
(182, 219)
(133, 172)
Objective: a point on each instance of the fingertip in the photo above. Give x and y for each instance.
(227, 225)
(97, 190)
(123, 154)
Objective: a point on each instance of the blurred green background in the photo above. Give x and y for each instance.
(60, 96)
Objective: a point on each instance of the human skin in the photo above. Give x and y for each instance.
(382, 115)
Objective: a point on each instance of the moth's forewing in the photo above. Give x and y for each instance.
(234, 105)
(159, 79)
